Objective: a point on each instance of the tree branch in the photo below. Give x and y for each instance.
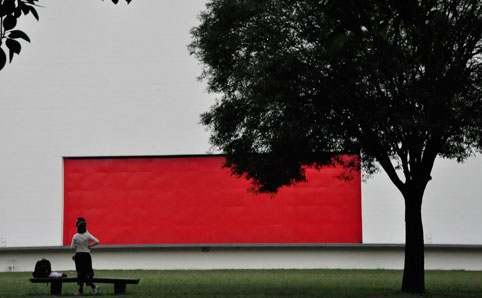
(434, 145)
(402, 152)
(387, 165)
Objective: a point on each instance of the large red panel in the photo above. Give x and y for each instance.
(193, 200)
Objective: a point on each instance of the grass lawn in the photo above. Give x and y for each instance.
(259, 283)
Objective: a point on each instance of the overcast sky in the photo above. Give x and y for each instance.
(105, 79)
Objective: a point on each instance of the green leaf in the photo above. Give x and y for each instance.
(24, 8)
(7, 8)
(14, 47)
(34, 12)
(18, 34)
(384, 32)
(18, 12)
(338, 39)
(3, 58)
(9, 22)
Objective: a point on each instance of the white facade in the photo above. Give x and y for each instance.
(117, 80)
(166, 257)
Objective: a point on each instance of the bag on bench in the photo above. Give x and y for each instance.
(42, 269)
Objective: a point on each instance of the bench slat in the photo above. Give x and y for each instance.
(53, 279)
(56, 283)
(95, 279)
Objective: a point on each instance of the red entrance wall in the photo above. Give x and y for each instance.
(193, 200)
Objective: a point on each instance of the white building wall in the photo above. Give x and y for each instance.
(452, 206)
(109, 80)
(197, 258)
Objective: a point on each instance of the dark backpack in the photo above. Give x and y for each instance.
(42, 269)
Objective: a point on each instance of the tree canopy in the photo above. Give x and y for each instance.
(10, 12)
(399, 82)
(391, 80)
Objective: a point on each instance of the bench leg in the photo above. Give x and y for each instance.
(56, 288)
(119, 288)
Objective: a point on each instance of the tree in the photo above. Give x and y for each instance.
(399, 82)
(10, 12)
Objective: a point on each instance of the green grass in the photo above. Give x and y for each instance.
(260, 283)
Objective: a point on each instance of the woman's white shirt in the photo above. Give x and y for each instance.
(81, 242)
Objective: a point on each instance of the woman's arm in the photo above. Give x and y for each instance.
(73, 245)
(95, 240)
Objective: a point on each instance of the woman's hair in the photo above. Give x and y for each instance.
(82, 227)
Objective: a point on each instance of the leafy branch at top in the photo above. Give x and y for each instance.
(10, 12)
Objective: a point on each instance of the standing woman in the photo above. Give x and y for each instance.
(81, 242)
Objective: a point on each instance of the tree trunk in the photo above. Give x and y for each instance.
(413, 273)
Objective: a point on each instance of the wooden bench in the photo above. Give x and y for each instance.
(56, 283)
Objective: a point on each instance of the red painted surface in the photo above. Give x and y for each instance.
(192, 200)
